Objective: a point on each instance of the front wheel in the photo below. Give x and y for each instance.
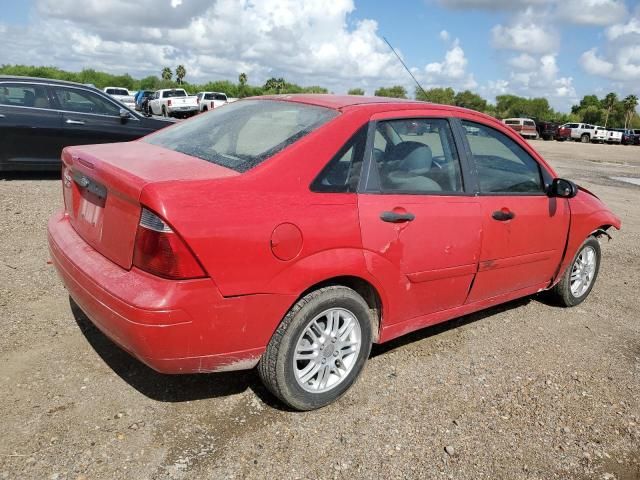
(319, 349)
(578, 280)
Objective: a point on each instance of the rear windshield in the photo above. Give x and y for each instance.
(215, 96)
(512, 122)
(529, 123)
(174, 93)
(243, 134)
(117, 91)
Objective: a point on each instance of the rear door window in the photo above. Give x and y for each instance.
(416, 156)
(24, 95)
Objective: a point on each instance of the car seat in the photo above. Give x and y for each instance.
(407, 166)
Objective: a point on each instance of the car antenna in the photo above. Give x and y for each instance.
(405, 66)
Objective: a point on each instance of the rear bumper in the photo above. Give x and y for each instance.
(172, 326)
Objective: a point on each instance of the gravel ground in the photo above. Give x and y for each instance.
(526, 390)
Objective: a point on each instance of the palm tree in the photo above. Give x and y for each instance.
(242, 79)
(181, 72)
(609, 102)
(277, 84)
(166, 73)
(630, 104)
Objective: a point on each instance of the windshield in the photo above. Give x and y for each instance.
(512, 122)
(215, 96)
(174, 93)
(243, 134)
(118, 91)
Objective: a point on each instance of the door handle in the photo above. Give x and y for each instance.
(393, 217)
(74, 122)
(502, 215)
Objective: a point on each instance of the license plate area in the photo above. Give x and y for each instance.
(90, 200)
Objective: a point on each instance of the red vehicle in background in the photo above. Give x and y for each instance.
(292, 232)
(563, 133)
(524, 126)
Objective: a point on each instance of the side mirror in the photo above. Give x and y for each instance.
(124, 115)
(563, 188)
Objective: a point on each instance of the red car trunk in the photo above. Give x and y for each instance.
(102, 187)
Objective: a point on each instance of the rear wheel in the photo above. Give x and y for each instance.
(319, 349)
(585, 138)
(164, 112)
(578, 280)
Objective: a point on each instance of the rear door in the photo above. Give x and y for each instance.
(524, 231)
(29, 127)
(88, 118)
(420, 227)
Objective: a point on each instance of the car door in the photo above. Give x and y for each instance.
(29, 126)
(420, 227)
(524, 231)
(89, 117)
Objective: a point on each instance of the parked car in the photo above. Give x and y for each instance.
(524, 126)
(600, 134)
(546, 130)
(39, 117)
(174, 102)
(636, 139)
(210, 100)
(582, 132)
(210, 246)
(142, 99)
(122, 95)
(613, 136)
(628, 137)
(563, 133)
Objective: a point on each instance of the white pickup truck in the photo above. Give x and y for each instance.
(174, 102)
(614, 136)
(585, 133)
(122, 95)
(211, 100)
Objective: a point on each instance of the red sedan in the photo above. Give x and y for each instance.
(292, 232)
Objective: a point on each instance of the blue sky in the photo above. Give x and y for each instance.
(557, 50)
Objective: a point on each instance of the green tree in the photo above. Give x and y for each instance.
(468, 99)
(355, 91)
(609, 102)
(242, 79)
(630, 103)
(276, 85)
(181, 72)
(591, 114)
(397, 91)
(444, 96)
(587, 101)
(166, 73)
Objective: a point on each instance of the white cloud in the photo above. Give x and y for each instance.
(595, 65)
(523, 61)
(525, 36)
(444, 36)
(592, 12)
(491, 4)
(451, 71)
(308, 42)
(624, 31)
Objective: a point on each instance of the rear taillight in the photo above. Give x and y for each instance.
(211, 104)
(169, 102)
(160, 251)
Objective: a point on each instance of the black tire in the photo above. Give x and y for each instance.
(585, 138)
(562, 293)
(204, 109)
(164, 112)
(276, 367)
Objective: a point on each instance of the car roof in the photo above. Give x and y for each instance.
(18, 78)
(374, 104)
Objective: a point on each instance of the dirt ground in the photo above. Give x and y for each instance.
(526, 390)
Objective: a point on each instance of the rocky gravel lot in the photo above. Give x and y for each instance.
(523, 391)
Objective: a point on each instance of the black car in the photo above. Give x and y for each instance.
(39, 117)
(547, 130)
